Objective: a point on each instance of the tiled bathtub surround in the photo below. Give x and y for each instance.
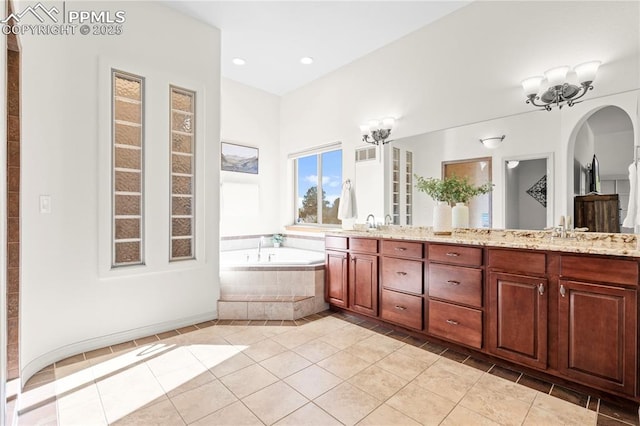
(328, 369)
(577, 242)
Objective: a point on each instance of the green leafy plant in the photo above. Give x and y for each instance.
(453, 189)
(277, 238)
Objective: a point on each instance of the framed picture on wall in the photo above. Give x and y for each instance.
(238, 158)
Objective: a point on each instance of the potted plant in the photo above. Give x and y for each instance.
(451, 190)
(277, 240)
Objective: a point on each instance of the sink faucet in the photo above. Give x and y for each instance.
(260, 246)
(388, 219)
(372, 224)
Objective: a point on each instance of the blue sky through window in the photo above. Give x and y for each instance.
(331, 175)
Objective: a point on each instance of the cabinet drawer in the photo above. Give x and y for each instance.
(613, 271)
(517, 261)
(401, 309)
(456, 255)
(363, 245)
(402, 274)
(456, 283)
(402, 249)
(456, 323)
(336, 243)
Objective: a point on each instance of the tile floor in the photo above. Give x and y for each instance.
(327, 369)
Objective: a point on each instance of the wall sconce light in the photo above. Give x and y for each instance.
(376, 132)
(493, 142)
(512, 164)
(559, 91)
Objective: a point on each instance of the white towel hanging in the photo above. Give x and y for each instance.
(347, 208)
(631, 219)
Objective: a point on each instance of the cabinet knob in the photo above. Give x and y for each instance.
(453, 254)
(563, 292)
(401, 308)
(400, 249)
(541, 289)
(453, 282)
(452, 322)
(401, 273)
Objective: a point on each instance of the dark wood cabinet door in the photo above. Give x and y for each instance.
(363, 284)
(518, 318)
(336, 278)
(597, 335)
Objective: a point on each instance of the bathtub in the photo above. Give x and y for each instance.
(271, 258)
(285, 284)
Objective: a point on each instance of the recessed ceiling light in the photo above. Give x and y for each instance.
(239, 61)
(307, 60)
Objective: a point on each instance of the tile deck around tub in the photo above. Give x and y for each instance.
(326, 369)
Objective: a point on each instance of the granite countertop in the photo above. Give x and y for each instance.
(577, 242)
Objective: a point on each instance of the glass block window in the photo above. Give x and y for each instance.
(182, 174)
(127, 169)
(409, 188)
(395, 186)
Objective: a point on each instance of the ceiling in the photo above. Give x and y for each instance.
(272, 36)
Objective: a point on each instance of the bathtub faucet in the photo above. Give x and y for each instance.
(260, 247)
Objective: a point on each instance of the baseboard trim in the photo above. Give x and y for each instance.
(66, 351)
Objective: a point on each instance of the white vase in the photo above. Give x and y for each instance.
(442, 218)
(276, 245)
(460, 216)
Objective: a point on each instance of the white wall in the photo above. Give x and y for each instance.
(467, 68)
(71, 300)
(531, 214)
(252, 117)
(614, 152)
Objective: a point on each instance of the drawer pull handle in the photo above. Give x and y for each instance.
(563, 292)
(400, 249)
(453, 254)
(452, 322)
(401, 308)
(453, 282)
(401, 273)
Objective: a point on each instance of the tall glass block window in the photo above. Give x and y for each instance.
(409, 188)
(182, 174)
(127, 168)
(318, 187)
(395, 186)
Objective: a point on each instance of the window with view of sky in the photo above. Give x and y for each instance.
(319, 184)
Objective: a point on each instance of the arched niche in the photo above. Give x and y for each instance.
(607, 131)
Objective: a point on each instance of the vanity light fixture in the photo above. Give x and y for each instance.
(238, 61)
(376, 132)
(307, 60)
(560, 92)
(512, 164)
(493, 142)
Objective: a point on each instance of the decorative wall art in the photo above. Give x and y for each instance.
(539, 191)
(238, 158)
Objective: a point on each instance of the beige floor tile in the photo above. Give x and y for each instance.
(446, 381)
(344, 365)
(274, 402)
(173, 359)
(374, 348)
(347, 336)
(377, 382)
(248, 380)
(190, 377)
(418, 353)
(128, 391)
(285, 364)
(309, 415)
(347, 403)
(498, 407)
(246, 337)
(386, 415)
(403, 366)
(83, 406)
(547, 410)
(231, 365)
(202, 401)
(463, 416)
(421, 405)
(82, 368)
(313, 381)
(236, 414)
(264, 349)
(500, 385)
(295, 338)
(45, 415)
(162, 413)
(316, 350)
(214, 355)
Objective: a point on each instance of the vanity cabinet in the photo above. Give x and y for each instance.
(454, 309)
(518, 306)
(402, 283)
(597, 322)
(351, 274)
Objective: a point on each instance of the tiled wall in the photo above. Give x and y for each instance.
(13, 205)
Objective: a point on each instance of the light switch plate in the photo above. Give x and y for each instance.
(45, 204)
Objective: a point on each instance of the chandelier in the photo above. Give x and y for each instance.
(560, 92)
(376, 132)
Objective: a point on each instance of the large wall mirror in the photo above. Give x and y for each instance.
(478, 172)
